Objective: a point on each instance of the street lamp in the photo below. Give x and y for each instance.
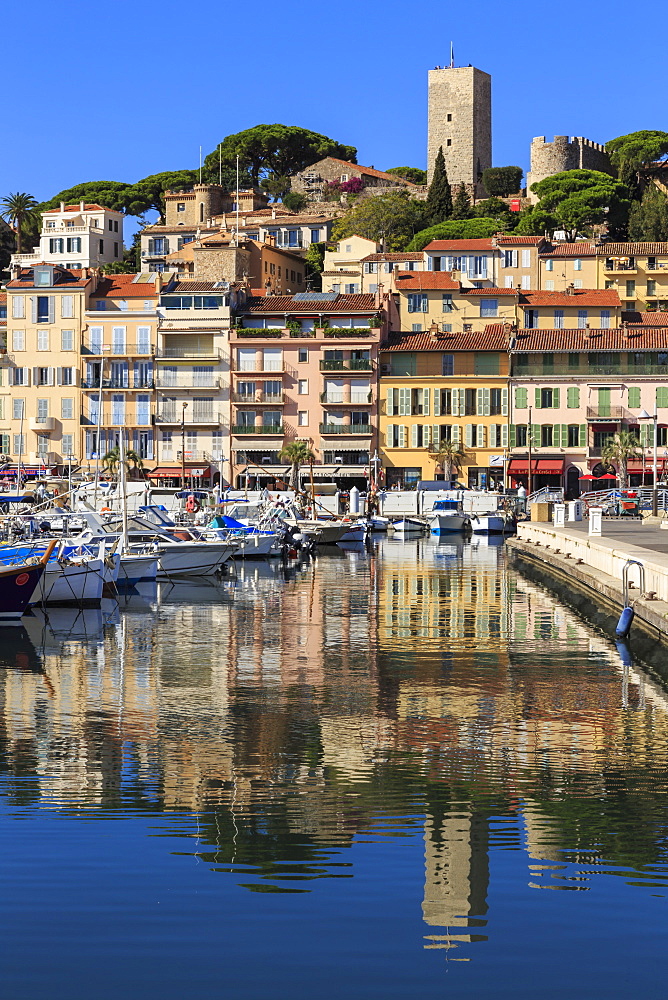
(644, 415)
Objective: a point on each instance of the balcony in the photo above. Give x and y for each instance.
(176, 417)
(45, 426)
(347, 365)
(64, 228)
(166, 380)
(151, 254)
(272, 334)
(126, 417)
(590, 371)
(257, 429)
(275, 367)
(628, 266)
(196, 352)
(117, 350)
(354, 399)
(258, 397)
(114, 383)
(350, 429)
(27, 258)
(616, 414)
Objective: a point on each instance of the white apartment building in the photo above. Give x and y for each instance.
(76, 236)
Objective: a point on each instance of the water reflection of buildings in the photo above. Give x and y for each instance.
(362, 684)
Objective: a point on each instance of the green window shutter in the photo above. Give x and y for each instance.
(646, 435)
(521, 398)
(634, 397)
(437, 402)
(555, 398)
(573, 397)
(480, 402)
(583, 435)
(504, 402)
(512, 436)
(485, 402)
(564, 435)
(535, 435)
(556, 435)
(537, 398)
(662, 395)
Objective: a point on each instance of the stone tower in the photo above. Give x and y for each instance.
(460, 120)
(578, 153)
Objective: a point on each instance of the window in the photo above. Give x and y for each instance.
(549, 285)
(546, 398)
(448, 142)
(116, 226)
(55, 246)
(19, 444)
(350, 289)
(18, 408)
(303, 354)
(349, 248)
(577, 265)
(43, 376)
(489, 307)
(572, 397)
(449, 117)
(302, 418)
(573, 435)
(577, 283)
(546, 436)
(180, 206)
(73, 244)
(526, 257)
(67, 306)
(634, 397)
(42, 310)
(495, 402)
(67, 376)
(605, 319)
(630, 289)
(68, 444)
(582, 319)
(416, 327)
(18, 340)
(67, 408)
(526, 282)
(549, 265)
(651, 287)
(315, 236)
(42, 409)
(447, 364)
(521, 435)
(115, 249)
(486, 363)
(101, 246)
(42, 340)
(609, 284)
(558, 319)
(510, 260)
(100, 305)
(470, 402)
(418, 302)
(303, 387)
(18, 307)
(447, 302)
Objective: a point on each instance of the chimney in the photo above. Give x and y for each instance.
(84, 273)
(16, 271)
(62, 206)
(82, 206)
(570, 290)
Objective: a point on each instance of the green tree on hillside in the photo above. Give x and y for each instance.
(21, 210)
(630, 153)
(438, 206)
(578, 199)
(314, 259)
(412, 174)
(149, 192)
(454, 229)
(461, 207)
(499, 182)
(389, 219)
(648, 218)
(116, 195)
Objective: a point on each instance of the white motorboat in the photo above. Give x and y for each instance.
(71, 580)
(378, 523)
(356, 531)
(494, 523)
(136, 568)
(410, 526)
(446, 517)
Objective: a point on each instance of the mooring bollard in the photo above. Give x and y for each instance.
(559, 515)
(595, 520)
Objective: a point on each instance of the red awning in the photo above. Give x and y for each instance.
(555, 466)
(649, 465)
(192, 469)
(548, 466)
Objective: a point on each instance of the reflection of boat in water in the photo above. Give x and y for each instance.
(48, 628)
(140, 599)
(195, 591)
(17, 651)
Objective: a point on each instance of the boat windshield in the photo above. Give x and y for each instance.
(446, 505)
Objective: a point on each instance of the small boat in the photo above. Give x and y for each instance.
(447, 516)
(356, 531)
(72, 574)
(378, 523)
(18, 583)
(494, 523)
(136, 568)
(410, 525)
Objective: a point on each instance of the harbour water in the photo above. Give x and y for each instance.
(386, 774)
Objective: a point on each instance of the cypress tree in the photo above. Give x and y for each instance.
(461, 208)
(438, 206)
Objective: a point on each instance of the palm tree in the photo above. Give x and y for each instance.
(297, 453)
(621, 448)
(111, 460)
(19, 208)
(449, 455)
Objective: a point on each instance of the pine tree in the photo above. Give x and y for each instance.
(648, 218)
(461, 208)
(438, 206)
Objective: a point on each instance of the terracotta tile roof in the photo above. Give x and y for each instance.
(88, 207)
(460, 246)
(298, 220)
(556, 341)
(577, 297)
(493, 338)
(645, 318)
(421, 280)
(493, 292)
(287, 304)
(631, 249)
(394, 256)
(184, 287)
(366, 170)
(516, 241)
(582, 249)
(352, 274)
(71, 278)
(121, 285)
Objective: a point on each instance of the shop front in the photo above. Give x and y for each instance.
(546, 473)
(197, 475)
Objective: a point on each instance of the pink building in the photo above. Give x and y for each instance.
(305, 367)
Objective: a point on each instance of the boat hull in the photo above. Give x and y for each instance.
(17, 586)
(185, 559)
(63, 583)
(135, 569)
(408, 526)
(488, 524)
(446, 523)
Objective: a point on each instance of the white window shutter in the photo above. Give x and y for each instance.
(435, 435)
(59, 376)
(504, 435)
(425, 435)
(26, 376)
(509, 281)
(51, 376)
(456, 434)
(52, 308)
(425, 401)
(515, 257)
(480, 442)
(33, 308)
(402, 436)
(437, 402)
(480, 402)
(468, 435)
(485, 402)
(390, 403)
(526, 258)
(35, 376)
(414, 435)
(389, 436)
(504, 402)
(455, 402)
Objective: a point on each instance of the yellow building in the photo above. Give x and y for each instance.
(434, 300)
(638, 271)
(572, 309)
(439, 386)
(563, 264)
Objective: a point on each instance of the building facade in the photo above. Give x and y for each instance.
(638, 271)
(76, 236)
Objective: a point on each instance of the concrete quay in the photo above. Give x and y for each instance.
(586, 571)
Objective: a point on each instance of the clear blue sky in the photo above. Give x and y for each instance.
(120, 90)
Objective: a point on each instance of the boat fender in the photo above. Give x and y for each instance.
(192, 505)
(298, 537)
(624, 623)
(105, 510)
